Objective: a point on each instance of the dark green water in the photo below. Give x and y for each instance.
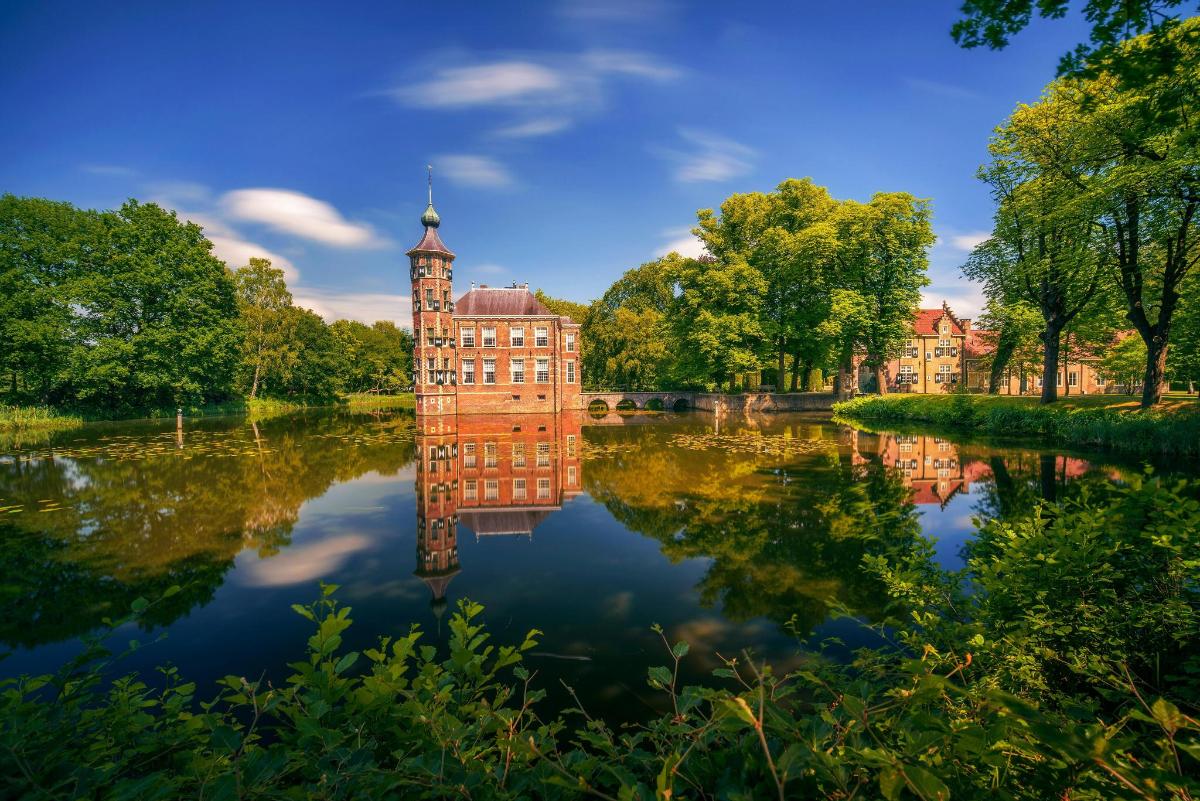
(732, 534)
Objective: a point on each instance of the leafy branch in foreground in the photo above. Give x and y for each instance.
(1064, 662)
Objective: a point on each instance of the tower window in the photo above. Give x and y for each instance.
(543, 371)
(489, 371)
(489, 337)
(541, 337)
(428, 296)
(516, 337)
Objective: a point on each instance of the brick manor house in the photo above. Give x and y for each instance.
(944, 352)
(495, 349)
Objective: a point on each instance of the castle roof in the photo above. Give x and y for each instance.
(508, 301)
(928, 319)
(430, 243)
(486, 522)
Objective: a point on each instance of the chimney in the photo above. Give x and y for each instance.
(965, 322)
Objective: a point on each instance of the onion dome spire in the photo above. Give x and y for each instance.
(430, 218)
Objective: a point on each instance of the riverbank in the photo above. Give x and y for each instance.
(21, 424)
(1109, 422)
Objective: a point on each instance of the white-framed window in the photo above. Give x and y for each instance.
(1058, 380)
(489, 336)
(543, 488)
(468, 371)
(945, 328)
(518, 454)
(542, 374)
(466, 337)
(569, 342)
(944, 342)
(543, 454)
(489, 371)
(470, 489)
(428, 297)
(541, 337)
(516, 337)
(516, 371)
(571, 371)
(489, 454)
(572, 475)
(468, 454)
(571, 445)
(1073, 379)
(491, 489)
(518, 489)
(908, 374)
(945, 369)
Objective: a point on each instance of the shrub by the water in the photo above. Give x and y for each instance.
(1062, 663)
(1095, 425)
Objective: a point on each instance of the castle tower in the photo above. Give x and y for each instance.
(431, 270)
(437, 505)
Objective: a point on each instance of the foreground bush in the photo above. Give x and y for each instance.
(1123, 430)
(1066, 668)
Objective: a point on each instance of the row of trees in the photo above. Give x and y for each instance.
(125, 311)
(1097, 226)
(791, 276)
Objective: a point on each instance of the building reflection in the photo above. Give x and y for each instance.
(495, 474)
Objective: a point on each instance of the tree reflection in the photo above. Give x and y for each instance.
(102, 520)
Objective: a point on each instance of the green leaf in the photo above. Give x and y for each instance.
(680, 650)
(659, 676)
(928, 785)
(891, 782)
(346, 662)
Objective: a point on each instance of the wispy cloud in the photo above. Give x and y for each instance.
(545, 93)
(968, 241)
(115, 170)
(487, 269)
(473, 170)
(966, 299)
(300, 215)
(681, 241)
(941, 89)
(614, 11)
(709, 157)
(305, 563)
(366, 307)
(541, 126)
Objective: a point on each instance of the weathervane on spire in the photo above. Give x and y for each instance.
(430, 218)
(430, 168)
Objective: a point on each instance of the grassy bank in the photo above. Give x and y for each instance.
(1094, 421)
(35, 418)
(369, 400)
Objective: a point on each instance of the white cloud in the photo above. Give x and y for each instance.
(541, 126)
(547, 91)
(109, 169)
(683, 242)
(472, 170)
(180, 191)
(968, 241)
(488, 269)
(592, 11)
(298, 214)
(965, 299)
(710, 157)
(366, 307)
(237, 253)
(303, 563)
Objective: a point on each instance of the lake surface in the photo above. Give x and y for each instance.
(732, 533)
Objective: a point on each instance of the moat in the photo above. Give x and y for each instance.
(732, 532)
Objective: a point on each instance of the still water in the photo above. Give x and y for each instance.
(732, 533)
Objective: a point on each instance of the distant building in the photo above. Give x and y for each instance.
(932, 358)
(1078, 370)
(495, 349)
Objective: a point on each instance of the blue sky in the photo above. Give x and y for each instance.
(571, 139)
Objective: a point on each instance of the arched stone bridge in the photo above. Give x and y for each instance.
(628, 401)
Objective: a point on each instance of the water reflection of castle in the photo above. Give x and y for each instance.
(497, 474)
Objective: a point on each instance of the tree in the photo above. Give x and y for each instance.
(310, 365)
(1183, 363)
(715, 319)
(566, 308)
(1124, 362)
(375, 358)
(882, 255)
(627, 343)
(156, 316)
(1015, 330)
(263, 301)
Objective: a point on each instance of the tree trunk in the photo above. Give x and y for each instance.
(1156, 369)
(254, 385)
(795, 367)
(1050, 339)
(1003, 355)
(881, 378)
(779, 373)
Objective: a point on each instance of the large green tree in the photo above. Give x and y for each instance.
(626, 342)
(1014, 340)
(373, 358)
(264, 302)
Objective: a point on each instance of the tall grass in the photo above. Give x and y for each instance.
(36, 418)
(1094, 423)
(373, 400)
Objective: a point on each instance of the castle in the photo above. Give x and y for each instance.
(495, 349)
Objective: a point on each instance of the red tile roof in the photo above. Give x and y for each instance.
(979, 343)
(500, 302)
(928, 319)
(486, 522)
(430, 243)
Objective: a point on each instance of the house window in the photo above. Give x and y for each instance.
(543, 371)
(543, 488)
(1073, 379)
(541, 337)
(1100, 380)
(569, 342)
(470, 489)
(491, 489)
(571, 372)
(429, 335)
(516, 337)
(571, 445)
(1058, 380)
(489, 371)
(908, 374)
(518, 456)
(489, 454)
(516, 369)
(467, 335)
(518, 489)
(543, 454)
(572, 472)
(468, 371)
(468, 454)
(489, 337)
